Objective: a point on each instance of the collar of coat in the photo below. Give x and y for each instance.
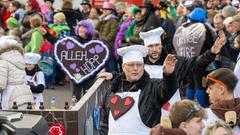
(129, 86)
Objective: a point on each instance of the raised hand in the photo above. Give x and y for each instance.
(105, 75)
(219, 43)
(169, 64)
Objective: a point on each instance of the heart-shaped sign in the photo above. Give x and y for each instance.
(80, 61)
(119, 106)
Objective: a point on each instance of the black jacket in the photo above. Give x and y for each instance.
(154, 94)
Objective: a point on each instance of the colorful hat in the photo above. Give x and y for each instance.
(108, 5)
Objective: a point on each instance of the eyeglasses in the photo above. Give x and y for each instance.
(132, 65)
(216, 81)
(195, 109)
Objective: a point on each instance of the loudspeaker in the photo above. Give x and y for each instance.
(15, 123)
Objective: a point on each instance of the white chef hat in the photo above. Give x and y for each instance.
(7, 40)
(152, 36)
(235, 3)
(133, 53)
(31, 58)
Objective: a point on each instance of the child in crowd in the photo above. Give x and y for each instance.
(218, 127)
(35, 77)
(37, 38)
(186, 119)
(12, 24)
(60, 26)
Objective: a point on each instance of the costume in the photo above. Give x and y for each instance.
(35, 77)
(143, 98)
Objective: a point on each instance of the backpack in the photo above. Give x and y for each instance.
(189, 39)
(47, 66)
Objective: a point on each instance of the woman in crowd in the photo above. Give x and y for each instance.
(5, 13)
(94, 16)
(17, 11)
(237, 67)
(83, 33)
(35, 77)
(12, 75)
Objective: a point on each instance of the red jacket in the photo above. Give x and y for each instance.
(4, 18)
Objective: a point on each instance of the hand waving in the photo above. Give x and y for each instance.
(219, 43)
(169, 64)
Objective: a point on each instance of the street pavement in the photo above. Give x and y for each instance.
(62, 94)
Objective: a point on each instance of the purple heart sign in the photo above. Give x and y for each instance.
(80, 61)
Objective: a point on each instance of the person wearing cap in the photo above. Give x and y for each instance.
(121, 10)
(72, 16)
(107, 29)
(151, 20)
(221, 84)
(132, 32)
(12, 24)
(86, 7)
(122, 28)
(157, 54)
(190, 40)
(12, 75)
(145, 96)
(35, 77)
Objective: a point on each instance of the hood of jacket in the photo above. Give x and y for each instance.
(108, 17)
(14, 55)
(221, 107)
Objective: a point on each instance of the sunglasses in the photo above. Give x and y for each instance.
(215, 81)
(194, 110)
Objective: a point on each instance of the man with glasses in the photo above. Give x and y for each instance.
(133, 103)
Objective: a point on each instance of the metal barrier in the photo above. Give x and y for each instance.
(74, 120)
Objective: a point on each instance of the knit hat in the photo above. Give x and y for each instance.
(88, 25)
(134, 10)
(198, 15)
(12, 22)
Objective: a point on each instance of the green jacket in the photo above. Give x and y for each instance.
(133, 32)
(35, 42)
(108, 29)
(58, 28)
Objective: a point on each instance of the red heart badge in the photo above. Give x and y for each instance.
(120, 106)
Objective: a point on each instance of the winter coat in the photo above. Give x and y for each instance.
(120, 34)
(108, 28)
(4, 18)
(133, 32)
(72, 17)
(151, 21)
(61, 30)
(154, 94)
(13, 77)
(36, 41)
(19, 14)
(218, 110)
(94, 21)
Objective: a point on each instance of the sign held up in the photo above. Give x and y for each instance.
(81, 61)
